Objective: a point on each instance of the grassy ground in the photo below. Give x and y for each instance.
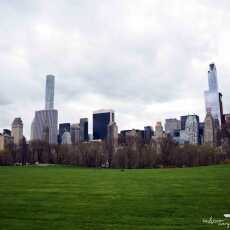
(71, 198)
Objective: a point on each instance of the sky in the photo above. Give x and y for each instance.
(147, 60)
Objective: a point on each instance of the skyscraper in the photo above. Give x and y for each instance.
(209, 130)
(75, 133)
(45, 123)
(84, 132)
(213, 98)
(171, 125)
(159, 132)
(63, 127)
(192, 129)
(49, 96)
(148, 133)
(17, 130)
(101, 120)
(212, 78)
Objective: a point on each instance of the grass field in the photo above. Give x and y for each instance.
(71, 198)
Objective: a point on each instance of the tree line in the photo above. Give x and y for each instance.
(134, 154)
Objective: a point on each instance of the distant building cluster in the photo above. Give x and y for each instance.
(186, 130)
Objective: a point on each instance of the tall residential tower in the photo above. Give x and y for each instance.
(49, 96)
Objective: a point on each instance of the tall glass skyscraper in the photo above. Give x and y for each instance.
(49, 97)
(101, 120)
(212, 78)
(45, 123)
(212, 96)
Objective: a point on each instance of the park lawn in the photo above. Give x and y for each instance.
(58, 197)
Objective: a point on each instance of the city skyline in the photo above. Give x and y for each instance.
(137, 67)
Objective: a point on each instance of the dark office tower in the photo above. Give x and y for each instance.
(148, 133)
(6, 132)
(101, 120)
(183, 122)
(84, 129)
(64, 127)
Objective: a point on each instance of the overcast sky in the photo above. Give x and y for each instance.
(147, 60)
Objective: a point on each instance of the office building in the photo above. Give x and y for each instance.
(159, 132)
(17, 130)
(6, 132)
(209, 130)
(75, 133)
(5, 141)
(45, 123)
(171, 125)
(112, 136)
(84, 129)
(148, 134)
(183, 120)
(63, 127)
(192, 129)
(101, 120)
(66, 138)
(213, 99)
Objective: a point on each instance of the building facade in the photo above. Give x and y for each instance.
(101, 120)
(45, 124)
(192, 129)
(213, 99)
(171, 125)
(75, 134)
(63, 127)
(17, 130)
(209, 130)
(49, 95)
(5, 141)
(66, 138)
(159, 132)
(148, 134)
(84, 129)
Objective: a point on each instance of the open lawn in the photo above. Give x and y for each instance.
(57, 197)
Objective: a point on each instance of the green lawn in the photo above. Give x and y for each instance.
(71, 198)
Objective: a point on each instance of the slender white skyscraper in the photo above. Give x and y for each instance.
(212, 96)
(212, 78)
(49, 98)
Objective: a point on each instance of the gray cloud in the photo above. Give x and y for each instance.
(146, 59)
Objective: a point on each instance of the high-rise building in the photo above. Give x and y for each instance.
(159, 132)
(192, 129)
(213, 99)
(101, 120)
(6, 132)
(148, 134)
(183, 122)
(212, 78)
(84, 129)
(171, 125)
(49, 97)
(75, 133)
(45, 123)
(5, 141)
(63, 127)
(17, 130)
(209, 130)
(112, 135)
(66, 138)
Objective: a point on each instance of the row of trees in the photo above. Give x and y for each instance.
(163, 153)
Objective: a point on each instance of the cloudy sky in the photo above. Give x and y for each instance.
(147, 60)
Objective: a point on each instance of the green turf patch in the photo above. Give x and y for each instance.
(72, 198)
